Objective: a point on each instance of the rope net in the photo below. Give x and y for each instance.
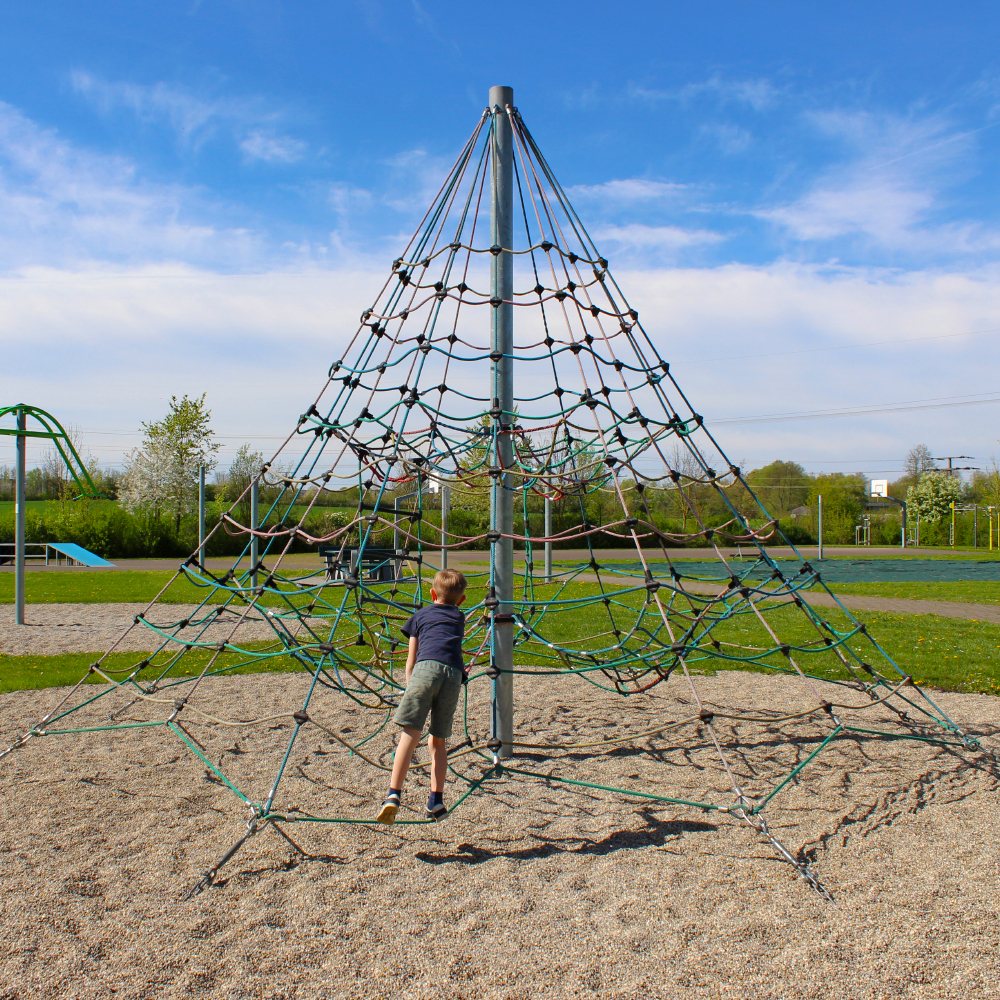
(407, 434)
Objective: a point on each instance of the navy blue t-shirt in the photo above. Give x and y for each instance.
(439, 629)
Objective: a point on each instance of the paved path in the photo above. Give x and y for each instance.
(899, 605)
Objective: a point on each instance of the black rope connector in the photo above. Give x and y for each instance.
(546, 245)
(827, 707)
(496, 249)
(496, 301)
(496, 355)
(220, 647)
(350, 582)
(179, 703)
(494, 745)
(705, 715)
(786, 650)
(491, 602)
(678, 647)
(325, 647)
(493, 672)
(300, 717)
(493, 536)
(908, 681)
(631, 522)
(495, 472)
(141, 665)
(611, 461)
(867, 669)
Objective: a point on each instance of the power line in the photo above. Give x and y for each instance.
(902, 407)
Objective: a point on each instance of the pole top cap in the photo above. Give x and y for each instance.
(501, 96)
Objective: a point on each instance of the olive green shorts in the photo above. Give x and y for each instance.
(435, 688)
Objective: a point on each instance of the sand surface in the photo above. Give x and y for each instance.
(531, 888)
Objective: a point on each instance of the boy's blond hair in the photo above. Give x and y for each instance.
(449, 585)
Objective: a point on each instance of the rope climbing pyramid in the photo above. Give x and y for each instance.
(442, 432)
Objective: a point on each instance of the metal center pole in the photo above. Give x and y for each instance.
(19, 534)
(502, 411)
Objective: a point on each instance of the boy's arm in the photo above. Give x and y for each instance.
(411, 657)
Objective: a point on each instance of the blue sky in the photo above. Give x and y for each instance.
(799, 198)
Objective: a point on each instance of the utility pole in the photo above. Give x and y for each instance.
(952, 469)
(502, 412)
(19, 533)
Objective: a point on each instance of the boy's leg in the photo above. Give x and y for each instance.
(401, 764)
(408, 740)
(439, 763)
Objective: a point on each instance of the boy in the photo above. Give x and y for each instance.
(435, 673)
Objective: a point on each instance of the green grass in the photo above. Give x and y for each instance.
(939, 652)
(962, 591)
(38, 506)
(97, 587)
(20, 673)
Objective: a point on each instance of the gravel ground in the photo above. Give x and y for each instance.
(530, 888)
(87, 628)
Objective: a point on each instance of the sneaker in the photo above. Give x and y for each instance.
(436, 810)
(387, 814)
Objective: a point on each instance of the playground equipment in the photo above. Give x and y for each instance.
(53, 552)
(52, 431)
(417, 398)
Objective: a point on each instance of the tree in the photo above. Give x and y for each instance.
(244, 470)
(932, 497)
(781, 486)
(843, 499)
(162, 476)
(919, 460)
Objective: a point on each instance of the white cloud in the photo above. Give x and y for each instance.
(627, 190)
(731, 139)
(272, 148)
(117, 342)
(193, 118)
(61, 204)
(759, 94)
(890, 188)
(641, 236)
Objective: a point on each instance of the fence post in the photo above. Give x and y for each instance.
(254, 541)
(819, 531)
(445, 511)
(19, 528)
(201, 517)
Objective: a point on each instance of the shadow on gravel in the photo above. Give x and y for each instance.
(656, 834)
